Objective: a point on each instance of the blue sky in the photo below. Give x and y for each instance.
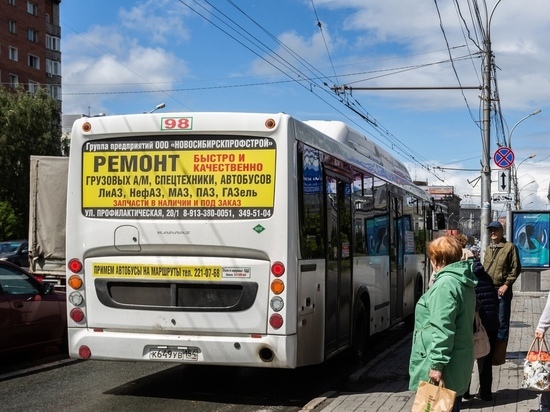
(123, 57)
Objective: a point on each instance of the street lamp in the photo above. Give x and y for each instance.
(526, 184)
(518, 122)
(516, 191)
(157, 107)
(449, 220)
(523, 200)
(514, 176)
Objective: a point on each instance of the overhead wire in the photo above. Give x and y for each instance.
(399, 70)
(479, 32)
(289, 50)
(465, 27)
(396, 144)
(495, 104)
(452, 62)
(319, 24)
(363, 115)
(391, 71)
(498, 115)
(479, 27)
(475, 41)
(248, 40)
(302, 75)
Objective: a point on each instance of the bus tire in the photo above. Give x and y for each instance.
(360, 334)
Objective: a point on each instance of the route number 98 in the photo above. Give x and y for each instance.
(177, 123)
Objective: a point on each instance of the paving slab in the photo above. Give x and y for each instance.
(387, 375)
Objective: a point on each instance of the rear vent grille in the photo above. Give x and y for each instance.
(182, 296)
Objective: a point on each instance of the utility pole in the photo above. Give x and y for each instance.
(485, 217)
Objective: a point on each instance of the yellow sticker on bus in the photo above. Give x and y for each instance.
(120, 270)
(180, 177)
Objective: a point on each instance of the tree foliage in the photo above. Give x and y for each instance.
(30, 124)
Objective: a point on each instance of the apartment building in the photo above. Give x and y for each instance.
(30, 45)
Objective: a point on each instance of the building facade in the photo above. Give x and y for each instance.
(30, 45)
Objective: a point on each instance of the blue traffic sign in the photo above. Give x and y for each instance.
(504, 157)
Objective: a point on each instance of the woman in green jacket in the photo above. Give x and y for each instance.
(443, 339)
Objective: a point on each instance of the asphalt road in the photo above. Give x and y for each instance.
(52, 382)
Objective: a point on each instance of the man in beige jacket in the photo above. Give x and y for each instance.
(502, 263)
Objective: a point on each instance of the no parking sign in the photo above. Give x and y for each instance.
(504, 157)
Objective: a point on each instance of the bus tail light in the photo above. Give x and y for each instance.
(277, 304)
(86, 127)
(76, 298)
(74, 265)
(270, 123)
(77, 314)
(75, 282)
(278, 269)
(276, 321)
(277, 286)
(84, 352)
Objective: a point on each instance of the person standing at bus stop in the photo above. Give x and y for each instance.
(542, 327)
(443, 339)
(488, 304)
(501, 262)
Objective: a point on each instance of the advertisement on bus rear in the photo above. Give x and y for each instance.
(176, 177)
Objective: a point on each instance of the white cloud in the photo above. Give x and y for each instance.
(157, 19)
(108, 59)
(312, 49)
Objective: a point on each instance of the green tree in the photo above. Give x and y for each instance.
(30, 124)
(8, 221)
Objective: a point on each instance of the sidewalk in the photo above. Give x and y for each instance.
(388, 373)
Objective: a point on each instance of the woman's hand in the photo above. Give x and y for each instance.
(435, 376)
(539, 334)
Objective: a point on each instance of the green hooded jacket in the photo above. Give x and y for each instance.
(443, 329)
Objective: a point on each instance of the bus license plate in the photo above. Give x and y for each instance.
(184, 354)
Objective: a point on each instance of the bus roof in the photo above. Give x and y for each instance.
(378, 161)
(339, 139)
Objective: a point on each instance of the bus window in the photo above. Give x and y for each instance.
(311, 203)
(363, 201)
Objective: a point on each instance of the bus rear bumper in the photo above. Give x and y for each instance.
(267, 351)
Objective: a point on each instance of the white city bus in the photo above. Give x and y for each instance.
(236, 239)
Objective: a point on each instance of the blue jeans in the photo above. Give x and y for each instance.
(504, 312)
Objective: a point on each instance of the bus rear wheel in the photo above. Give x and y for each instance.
(360, 334)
